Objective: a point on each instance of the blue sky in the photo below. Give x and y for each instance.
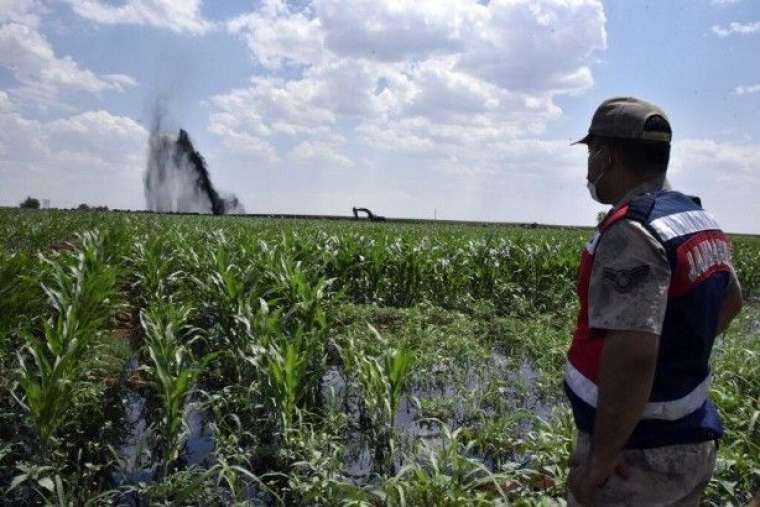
(455, 107)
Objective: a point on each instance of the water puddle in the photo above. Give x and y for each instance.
(135, 456)
(357, 458)
(466, 393)
(458, 394)
(199, 446)
(137, 453)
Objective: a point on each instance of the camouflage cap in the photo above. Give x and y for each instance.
(626, 117)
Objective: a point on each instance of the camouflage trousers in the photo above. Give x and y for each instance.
(671, 475)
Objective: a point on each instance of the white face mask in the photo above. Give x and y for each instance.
(591, 185)
(592, 190)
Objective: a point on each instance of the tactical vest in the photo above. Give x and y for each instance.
(698, 252)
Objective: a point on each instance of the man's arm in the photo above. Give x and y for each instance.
(626, 375)
(628, 297)
(627, 371)
(732, 304)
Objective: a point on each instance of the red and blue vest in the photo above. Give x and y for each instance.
(698, 252)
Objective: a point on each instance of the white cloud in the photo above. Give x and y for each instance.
(272, 106)
(538, 47)
(5, 103)
(93, 157)
(393, 31)
(277, 37)
(429, 75)
(717, 162)
(747, 89)
(320, 153)
(724, 175)
(241, 143)
(25, 12)
(41, 74)
(736, 28)
(724, 2)
(98, 132)
(176, 15)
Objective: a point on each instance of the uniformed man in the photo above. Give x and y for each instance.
(656, 286)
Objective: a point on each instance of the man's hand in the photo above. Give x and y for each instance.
(627, 366)
(586, 478)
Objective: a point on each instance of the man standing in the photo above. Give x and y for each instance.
(656, 286)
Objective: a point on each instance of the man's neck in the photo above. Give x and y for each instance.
(654, 184)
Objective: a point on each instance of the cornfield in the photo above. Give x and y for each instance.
(177, 360)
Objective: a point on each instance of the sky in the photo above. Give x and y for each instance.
(455, 109)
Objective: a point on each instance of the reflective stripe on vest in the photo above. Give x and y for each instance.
(665, 410)
(681, 224)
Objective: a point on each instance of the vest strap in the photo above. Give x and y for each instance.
(640, 208)
(613, 216)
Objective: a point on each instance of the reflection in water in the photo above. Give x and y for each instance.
(466, 387)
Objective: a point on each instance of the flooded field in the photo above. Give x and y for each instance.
(157, 360)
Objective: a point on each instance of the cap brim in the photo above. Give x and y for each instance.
(585, 140)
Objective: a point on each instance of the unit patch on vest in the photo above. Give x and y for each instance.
(624, 280)
(704, 254)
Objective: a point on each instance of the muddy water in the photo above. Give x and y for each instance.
(134, 452)
(464, 386)
(138, 456)
(199, 446)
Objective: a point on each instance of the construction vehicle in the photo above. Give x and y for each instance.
(371, 216)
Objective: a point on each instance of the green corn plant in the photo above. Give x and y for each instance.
(255, 288)
(448, 478)
(233, 476)
(20, 297)
(302, 296)
(55, 490)
(257, 326)
(81, 298)
(153, 270)
(382, 380)
(342, 257)
(745, 256)
(398, 363)
(173, 370)
(223, 289)
(407, 272)
(286, 376)
(384, 377)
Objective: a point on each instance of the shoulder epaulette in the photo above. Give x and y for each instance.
(640, 207)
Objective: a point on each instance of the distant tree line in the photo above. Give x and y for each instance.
(85, 207)
(32, 203)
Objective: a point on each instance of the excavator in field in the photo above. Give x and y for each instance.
(369, 215)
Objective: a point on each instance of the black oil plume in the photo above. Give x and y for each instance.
(177, 180)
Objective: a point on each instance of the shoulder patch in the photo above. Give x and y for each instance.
(624, 280)
(640, 207)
